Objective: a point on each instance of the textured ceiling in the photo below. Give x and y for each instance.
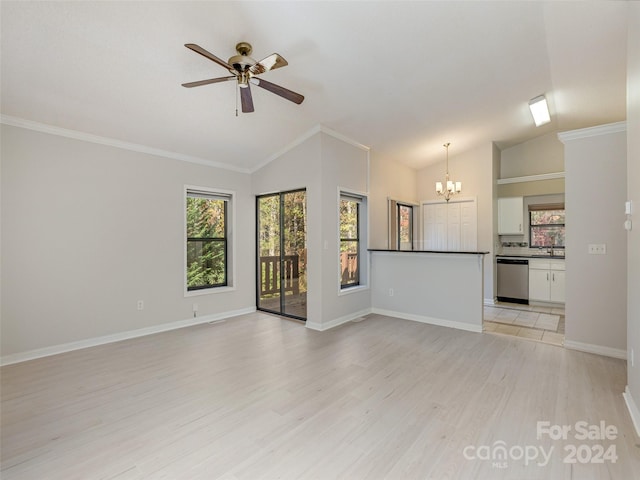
(401, 78)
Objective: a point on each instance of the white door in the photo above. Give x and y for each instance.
(450, 226)
(468, 226)
(453, 226)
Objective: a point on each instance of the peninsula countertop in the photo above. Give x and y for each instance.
(427, 251)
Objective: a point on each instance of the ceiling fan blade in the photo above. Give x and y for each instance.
(278, 90)
(271, 62)
(246, 99)
(209, 55)
(207, 82)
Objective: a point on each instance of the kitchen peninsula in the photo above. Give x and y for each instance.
(436, 287)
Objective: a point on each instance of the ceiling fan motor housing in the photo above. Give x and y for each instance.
(242, 62)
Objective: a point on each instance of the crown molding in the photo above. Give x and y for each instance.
(344, 138)
(307, 135)
(134, 147)
(592, 131)
(111, 142)
(531, 178)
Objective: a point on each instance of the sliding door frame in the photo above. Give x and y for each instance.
(280, 195)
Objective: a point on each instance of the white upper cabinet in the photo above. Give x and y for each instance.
(511, 216)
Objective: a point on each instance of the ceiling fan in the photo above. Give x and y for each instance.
(244, 70)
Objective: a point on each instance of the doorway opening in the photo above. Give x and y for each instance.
(281, 247)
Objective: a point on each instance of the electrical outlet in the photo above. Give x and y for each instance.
(140, 304)
(391, 292)
(597, 248)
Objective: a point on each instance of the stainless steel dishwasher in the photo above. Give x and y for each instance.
(513, 280)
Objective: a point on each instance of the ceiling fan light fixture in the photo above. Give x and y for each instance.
(243, 80)
(244, 68)
(539, 110)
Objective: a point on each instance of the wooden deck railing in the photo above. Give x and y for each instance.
(349, 266)
(270, 274)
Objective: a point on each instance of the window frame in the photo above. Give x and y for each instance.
(357, 199)
(541, 208)
(229, 226)
(400, 205)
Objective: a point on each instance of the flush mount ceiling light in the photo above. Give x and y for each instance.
(450, 188)
(539, 110)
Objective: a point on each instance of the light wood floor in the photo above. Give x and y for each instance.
(260, 397)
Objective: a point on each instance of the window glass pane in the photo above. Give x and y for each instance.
(547, 236)
(206, 261)
(547, 217)
(205, 218)
(348, 219)
(349, 263)
(405, 223)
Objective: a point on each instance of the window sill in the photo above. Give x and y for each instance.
(350, 290)
(207, 291)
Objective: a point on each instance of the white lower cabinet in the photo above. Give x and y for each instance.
(546, 280)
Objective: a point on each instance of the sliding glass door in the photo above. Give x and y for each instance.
(282, 253)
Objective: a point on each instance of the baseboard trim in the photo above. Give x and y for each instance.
(597, 349)
(117, 337)
(489, 302)
(336, 322)
(430, 320)
(634, 412)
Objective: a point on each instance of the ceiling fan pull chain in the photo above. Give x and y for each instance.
(237, 100)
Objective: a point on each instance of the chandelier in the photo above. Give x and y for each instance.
(450, 188)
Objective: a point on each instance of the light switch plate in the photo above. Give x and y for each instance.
(597, 248)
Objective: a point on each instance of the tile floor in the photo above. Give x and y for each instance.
(543, 324)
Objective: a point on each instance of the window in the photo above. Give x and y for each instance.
(546, 225)
(401, 223)
(349, 241)
(207, 232)
(405, 227)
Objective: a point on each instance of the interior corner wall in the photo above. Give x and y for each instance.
(633, 194)
(388, 180)
(475, 169)
(596, 300)
(322, 164)
(88, 230)
(300, 167)
(345, 167)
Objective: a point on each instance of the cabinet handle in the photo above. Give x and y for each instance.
(553, 276)
(547, 277)
(519, 227)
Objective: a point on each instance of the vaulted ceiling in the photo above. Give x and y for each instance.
(399, 77)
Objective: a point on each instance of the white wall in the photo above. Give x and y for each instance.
(344, 167)
(322, 164)
(475, 169)
(544, 154)
(633, 188)
(596, 300)
(437, 288)
(388, 180)
(88, 230)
